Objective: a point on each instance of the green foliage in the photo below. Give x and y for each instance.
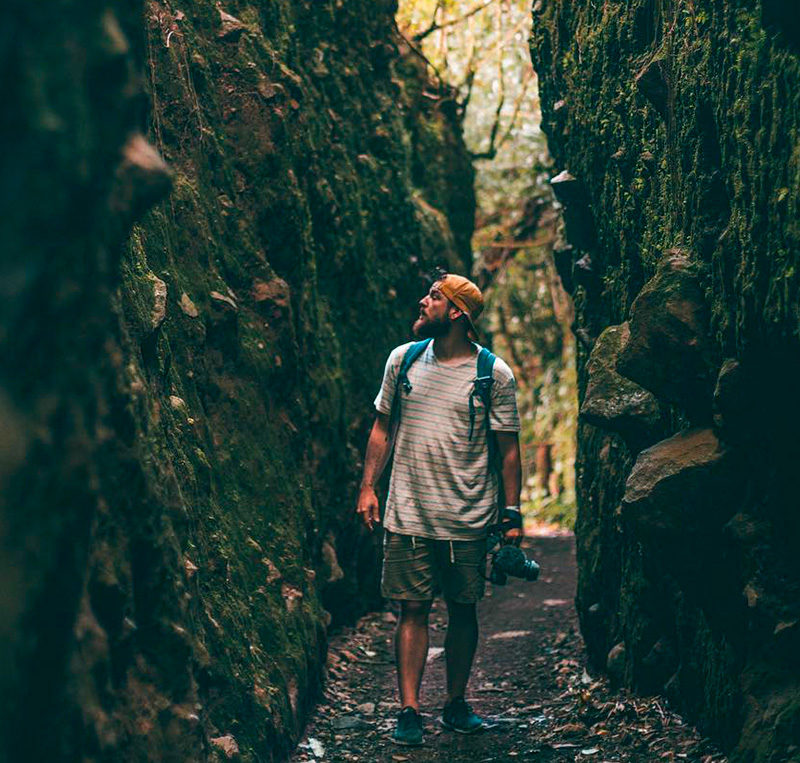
(530, 317)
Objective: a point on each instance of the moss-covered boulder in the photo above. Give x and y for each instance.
(613, 402)
(667, 350)
(665, 479)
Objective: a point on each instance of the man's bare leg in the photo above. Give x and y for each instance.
(411, 649)
(459, 646)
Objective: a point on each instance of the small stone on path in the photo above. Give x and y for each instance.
(349, 722)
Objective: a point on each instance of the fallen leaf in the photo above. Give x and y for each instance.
(509, 634)
(570, 729)
(316, 747)
(223, 298)
(434, 652)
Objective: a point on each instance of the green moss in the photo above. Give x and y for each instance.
(292, 165)
(167, 479)
(720, 181)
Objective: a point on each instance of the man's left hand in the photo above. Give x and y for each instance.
(513, 536)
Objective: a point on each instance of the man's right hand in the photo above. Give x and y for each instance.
(368, 508)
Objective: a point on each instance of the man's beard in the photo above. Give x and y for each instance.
(425, 328)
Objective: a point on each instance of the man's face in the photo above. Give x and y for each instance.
(434, 319)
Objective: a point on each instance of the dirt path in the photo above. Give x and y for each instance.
(529, 681)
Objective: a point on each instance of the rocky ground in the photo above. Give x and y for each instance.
(530, 681)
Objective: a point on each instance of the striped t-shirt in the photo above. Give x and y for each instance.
(441, 486)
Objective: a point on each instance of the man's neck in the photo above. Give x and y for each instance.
(453, 347)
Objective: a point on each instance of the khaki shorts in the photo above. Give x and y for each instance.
(417, 569)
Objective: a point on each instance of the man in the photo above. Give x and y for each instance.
(442, 493)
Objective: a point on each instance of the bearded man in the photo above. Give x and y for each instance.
(443, 492)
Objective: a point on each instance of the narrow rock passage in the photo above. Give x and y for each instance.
(530, 681)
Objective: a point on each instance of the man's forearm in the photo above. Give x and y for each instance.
(512, 471)
(377, 452)
(512, 479)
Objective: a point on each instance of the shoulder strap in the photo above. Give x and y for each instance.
(482, 388)
(486, 360)
(402, 383)
(411, 354)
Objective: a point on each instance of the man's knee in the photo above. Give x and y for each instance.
(459, 613)
(416, 611)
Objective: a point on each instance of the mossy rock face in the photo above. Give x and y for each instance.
(681, 124)
(681, 488)
(186, 391)
(667, 351)
(613, 402)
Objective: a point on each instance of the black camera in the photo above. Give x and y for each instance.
(508, 560)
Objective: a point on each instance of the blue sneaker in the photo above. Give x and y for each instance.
(409, 728)
(458, 716)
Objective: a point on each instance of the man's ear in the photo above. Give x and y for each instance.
(458, 313)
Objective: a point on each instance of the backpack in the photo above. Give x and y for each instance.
(481, 388)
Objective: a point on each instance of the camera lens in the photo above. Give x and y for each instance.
(531, 570)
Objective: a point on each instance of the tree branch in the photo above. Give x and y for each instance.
(491, 152)
(468, 82)
(515, 113)
(434, 27)
(494, 147)
(418, 52)
(435, 14)
(469, 79)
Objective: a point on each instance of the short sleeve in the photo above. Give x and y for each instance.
(383, 402)
(504, 416)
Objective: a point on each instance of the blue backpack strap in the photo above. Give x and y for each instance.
(412, 353)
(402, 383)
(486, 361)
(482, 388)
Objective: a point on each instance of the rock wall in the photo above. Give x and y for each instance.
(675, 129)
(186, 391)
